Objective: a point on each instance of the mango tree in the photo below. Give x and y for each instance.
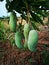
(30, 11)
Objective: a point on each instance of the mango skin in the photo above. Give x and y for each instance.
(18, 39)
(33, 40)
(26, 30)
(26, 33)
(12, 22)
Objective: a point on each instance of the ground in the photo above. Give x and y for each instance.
(10, 55)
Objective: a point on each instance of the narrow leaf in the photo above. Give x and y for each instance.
(36, 18)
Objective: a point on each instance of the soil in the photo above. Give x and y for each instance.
(10, 55)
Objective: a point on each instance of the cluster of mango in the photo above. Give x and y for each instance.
(31, 36)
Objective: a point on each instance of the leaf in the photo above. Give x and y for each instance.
(35, 27)
(23, 16)
(1, 0)
(41, 13)
(36, 17)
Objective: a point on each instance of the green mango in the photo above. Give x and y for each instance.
(33, 40)
(26, 33)
(26, 30)
(12, 22)
(18, 39)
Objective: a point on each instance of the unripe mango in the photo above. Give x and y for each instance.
(26, 30)
(26, 33)
(32, 40)
(12, 22)
(18, 39)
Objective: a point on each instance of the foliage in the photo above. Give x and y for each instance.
(24, 7)
(6, 33)
(2, 31)
(45, 56)
(30, 10)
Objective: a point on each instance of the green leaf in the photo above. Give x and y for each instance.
(36, 17)
(34, 26)
(24, 16)
(41, 13)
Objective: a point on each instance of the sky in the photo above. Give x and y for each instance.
(3, 11)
